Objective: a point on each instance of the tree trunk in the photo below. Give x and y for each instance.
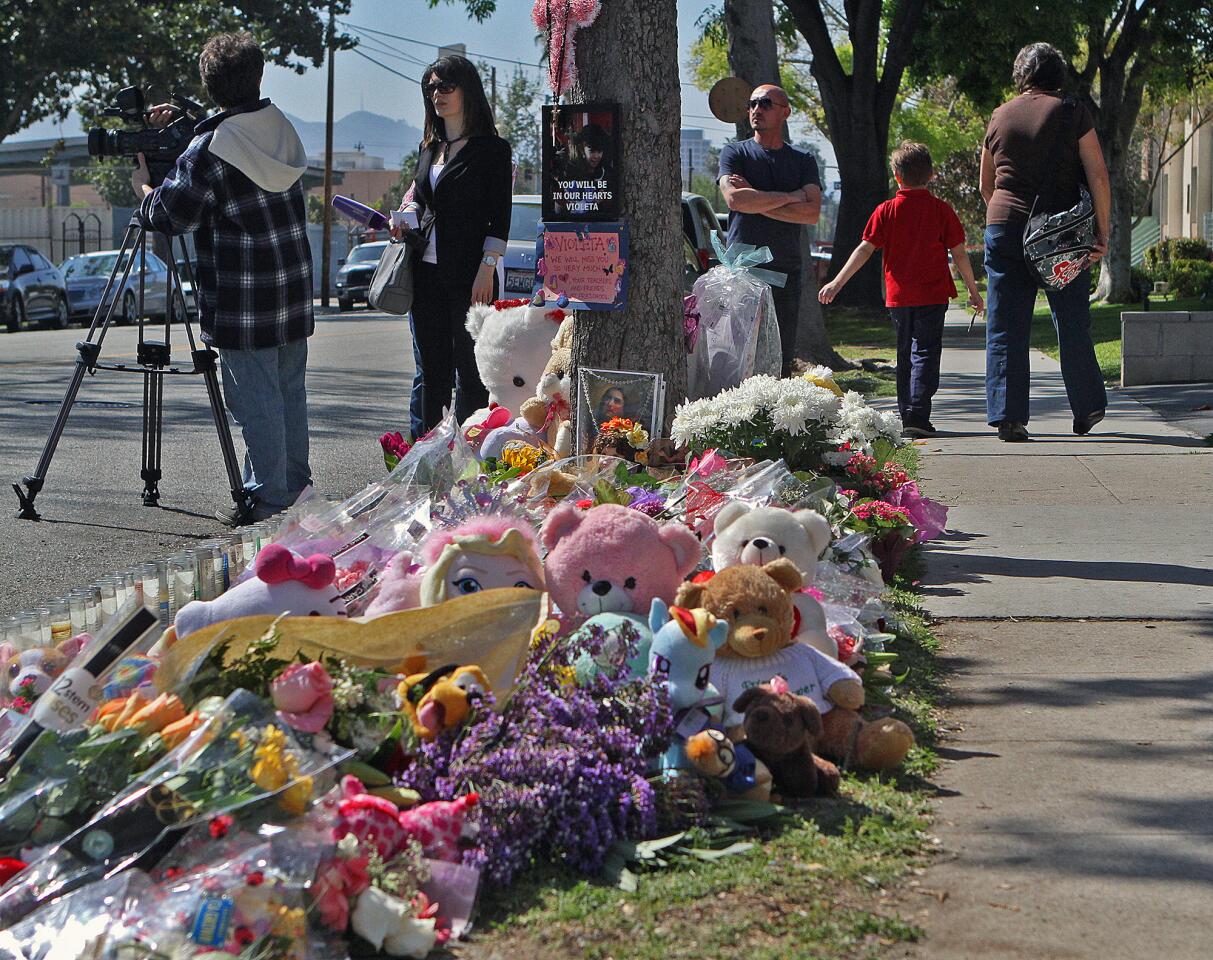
(1116, 269)
(627, 56)
(865, 186)
(753, 56)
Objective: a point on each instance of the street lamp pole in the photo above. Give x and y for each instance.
(326, 243)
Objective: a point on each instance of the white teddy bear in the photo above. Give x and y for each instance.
(757, 535)
(513, 342)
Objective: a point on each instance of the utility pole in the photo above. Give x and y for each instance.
(493, 83)
(326, 243)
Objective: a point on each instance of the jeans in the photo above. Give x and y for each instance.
(266, 395)
(787, 313)
(447, 359)
(1010, 298)
(417, 394)
(919, 348)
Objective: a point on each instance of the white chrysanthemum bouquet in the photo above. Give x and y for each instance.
(803, 420)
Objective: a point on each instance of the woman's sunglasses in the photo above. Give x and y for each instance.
(440, 86)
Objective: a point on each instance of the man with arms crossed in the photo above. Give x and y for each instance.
(771, 189)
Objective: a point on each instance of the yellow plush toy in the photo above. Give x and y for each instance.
(441, 699)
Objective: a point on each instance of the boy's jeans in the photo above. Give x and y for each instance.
(266, 395)
(919, 348)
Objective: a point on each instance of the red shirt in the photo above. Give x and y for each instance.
(916, 230)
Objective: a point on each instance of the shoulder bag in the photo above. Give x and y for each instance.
(391, 287)
(1057, 246)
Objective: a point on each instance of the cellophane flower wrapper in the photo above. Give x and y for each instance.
(214, 771)
(587, 469)
(86, 923)
(737, 332)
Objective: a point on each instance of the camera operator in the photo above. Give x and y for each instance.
(238, 188)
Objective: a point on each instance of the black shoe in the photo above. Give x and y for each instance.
(1083, 425)
(917, 431)
(1010, 431)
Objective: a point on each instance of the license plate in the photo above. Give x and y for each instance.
(519, 281)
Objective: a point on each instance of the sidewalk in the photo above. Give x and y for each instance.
(1074, 815)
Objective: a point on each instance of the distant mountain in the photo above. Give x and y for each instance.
(380, 136)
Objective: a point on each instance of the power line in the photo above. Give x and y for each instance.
(427, 43)
(384, 65)
(378, 46)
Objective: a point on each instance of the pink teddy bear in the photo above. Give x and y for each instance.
(612, 559)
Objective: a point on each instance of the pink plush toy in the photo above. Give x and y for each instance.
(282, 583)
(614, 559)
(438, 826)
(483, 553)
(373, 820)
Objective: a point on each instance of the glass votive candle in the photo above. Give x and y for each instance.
(77, 601)
(44, 626)
(204, 572)
(10, 631)
(180, 586)
(107, 597)
(60, 620)
(149, 584)
(31, 629)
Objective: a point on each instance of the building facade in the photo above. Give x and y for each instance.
(1183, 195)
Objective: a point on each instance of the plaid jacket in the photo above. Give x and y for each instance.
(254, 278)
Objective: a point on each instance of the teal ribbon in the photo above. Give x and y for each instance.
(746, 257)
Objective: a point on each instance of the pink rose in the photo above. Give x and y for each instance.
(303, 694)
(337, 882)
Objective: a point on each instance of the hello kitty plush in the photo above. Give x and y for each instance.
(282, 583)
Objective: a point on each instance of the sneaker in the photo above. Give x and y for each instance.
(916, 431)
(1083, 425)
(235, 516)
(1010, 431)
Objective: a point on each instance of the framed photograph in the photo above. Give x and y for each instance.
(603, 395)
(580, 157)
(585, 262)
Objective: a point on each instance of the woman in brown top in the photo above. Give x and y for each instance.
(1038, 145)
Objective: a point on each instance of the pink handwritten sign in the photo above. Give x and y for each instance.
(585, 263)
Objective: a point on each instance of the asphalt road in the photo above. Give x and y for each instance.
(360, 366)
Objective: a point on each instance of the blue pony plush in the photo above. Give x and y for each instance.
(683, 648)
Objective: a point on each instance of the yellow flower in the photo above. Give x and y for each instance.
(522, 455)
(294, 799)
(291, 923)
(637, 437)
(826, 383)
(269, 772)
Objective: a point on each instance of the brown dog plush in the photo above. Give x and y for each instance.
(782, 729)
(757, 604)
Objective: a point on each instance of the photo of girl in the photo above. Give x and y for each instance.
(614, 396)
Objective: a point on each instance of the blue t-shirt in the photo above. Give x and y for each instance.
(783, 170)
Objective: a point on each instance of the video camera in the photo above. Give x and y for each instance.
(161, 146)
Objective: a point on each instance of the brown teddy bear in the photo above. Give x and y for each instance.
(782, 729)
(550, 407)
(757, 604)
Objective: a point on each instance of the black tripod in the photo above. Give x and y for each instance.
(154, 361)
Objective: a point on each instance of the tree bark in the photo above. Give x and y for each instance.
(753, 56)
(630, 56)
(857, 108)
(752, 52)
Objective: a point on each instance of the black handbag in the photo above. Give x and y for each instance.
(1057, 247)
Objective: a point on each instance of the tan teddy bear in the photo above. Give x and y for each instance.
(757, 604)
(551, 405)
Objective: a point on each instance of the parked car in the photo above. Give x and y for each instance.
(699, 223)
(87, 274)
(697, 217)
(185, 270)
(356, 271)
(692, 269)
(723, 220)
(31, 288)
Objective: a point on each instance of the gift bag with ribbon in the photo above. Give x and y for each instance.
(737, 334)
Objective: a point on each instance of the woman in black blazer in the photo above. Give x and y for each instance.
(462, 198)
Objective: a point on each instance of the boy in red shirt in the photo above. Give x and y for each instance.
(917, 231)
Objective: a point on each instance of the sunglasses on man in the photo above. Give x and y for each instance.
(763, 103)
(440, 86)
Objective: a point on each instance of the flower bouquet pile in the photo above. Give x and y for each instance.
(798, 421)
(891, 532)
